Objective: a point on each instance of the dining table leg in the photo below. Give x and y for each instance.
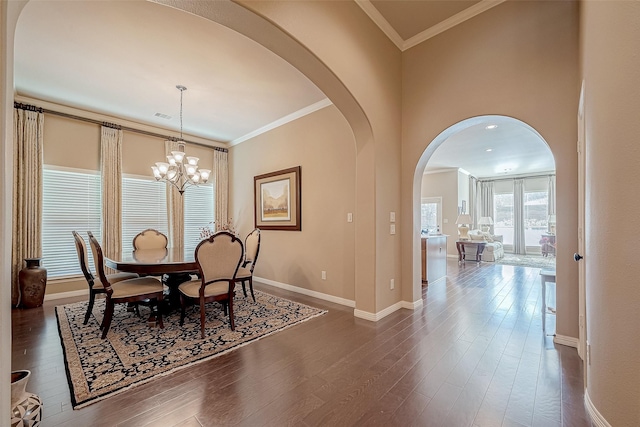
(173, 280)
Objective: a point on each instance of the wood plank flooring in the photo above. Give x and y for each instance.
(474, 355)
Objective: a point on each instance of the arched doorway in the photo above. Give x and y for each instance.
(488, 148)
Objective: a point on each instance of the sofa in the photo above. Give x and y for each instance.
(493, 250)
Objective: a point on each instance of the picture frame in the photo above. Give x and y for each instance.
(278, 200)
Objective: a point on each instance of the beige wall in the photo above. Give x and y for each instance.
(518, 59)
(611, 67)
(322, 145)
(71, 143)
(445, 185)
(369, 65)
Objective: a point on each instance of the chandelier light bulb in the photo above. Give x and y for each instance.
(162, 167)
(192, 160)
(191, 169)
(178, 156)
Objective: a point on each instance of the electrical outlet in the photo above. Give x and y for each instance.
(392, 217)
(349, 217)
(324, 275)
(392, 284)
(392, 229)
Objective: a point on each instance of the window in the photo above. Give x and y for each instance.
(535, 216)
(71, 200)
(503, 221)
(430, 214)
(198, 213)
(144, 205)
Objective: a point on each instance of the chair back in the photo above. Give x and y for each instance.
(81, 248)
(98, 261)
(252, 249)
(219, 257)
(150, 239)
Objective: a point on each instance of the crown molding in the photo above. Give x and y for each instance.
(381, 22)
(284, 120)
(433, 31)
(451, 22)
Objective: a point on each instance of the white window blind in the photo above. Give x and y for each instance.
(198, 213)
(70, 201)
(144, 205)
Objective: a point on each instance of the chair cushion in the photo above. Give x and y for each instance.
(192, 288)
(243, 273)
(137, 286)
(114, 278)
(119, 277)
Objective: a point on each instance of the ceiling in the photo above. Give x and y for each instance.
(101, 57)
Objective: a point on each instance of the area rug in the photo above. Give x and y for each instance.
(528, 261)
(133, 353)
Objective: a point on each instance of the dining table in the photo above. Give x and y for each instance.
(174, 265)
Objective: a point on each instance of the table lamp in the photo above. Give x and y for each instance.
(552, 224)
(485, 223)
(463, 222)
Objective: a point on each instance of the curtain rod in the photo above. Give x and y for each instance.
(22, 106)
(518, 177)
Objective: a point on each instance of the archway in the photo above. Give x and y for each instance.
(448, 136)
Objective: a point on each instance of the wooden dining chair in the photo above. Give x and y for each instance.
(150, 239)
(218, 258)
(131, 290)
(251, 251)
(95, 285)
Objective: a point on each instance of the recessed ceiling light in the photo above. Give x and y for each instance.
(491, 127)
(489, 149)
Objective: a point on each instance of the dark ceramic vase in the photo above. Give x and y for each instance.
(33, 282)
(26, 408)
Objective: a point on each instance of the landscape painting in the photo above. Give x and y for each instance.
(275, 200)
(278, 200)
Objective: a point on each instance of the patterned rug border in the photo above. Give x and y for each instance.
(59, 310)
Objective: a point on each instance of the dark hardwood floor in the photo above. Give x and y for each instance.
(474, 355)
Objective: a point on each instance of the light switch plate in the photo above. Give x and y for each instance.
(392, 229)
(392, 217)
(349, 217)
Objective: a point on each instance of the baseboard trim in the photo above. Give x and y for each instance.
(361, 314)
(374, 317)
(596, 417)
(568, 341)
(70, 294)
(308, 292)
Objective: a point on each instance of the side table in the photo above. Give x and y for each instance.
(478, 244)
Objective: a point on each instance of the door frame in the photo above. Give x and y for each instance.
(582, 301)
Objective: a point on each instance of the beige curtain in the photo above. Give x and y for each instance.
(27, 192)
(111, 167)
(175, 207)
(221, 177)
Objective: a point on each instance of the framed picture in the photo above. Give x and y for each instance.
(277, 200)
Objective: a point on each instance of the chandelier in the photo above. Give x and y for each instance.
(180, 170)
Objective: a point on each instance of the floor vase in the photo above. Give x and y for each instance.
(26, 408)
(33, 283)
